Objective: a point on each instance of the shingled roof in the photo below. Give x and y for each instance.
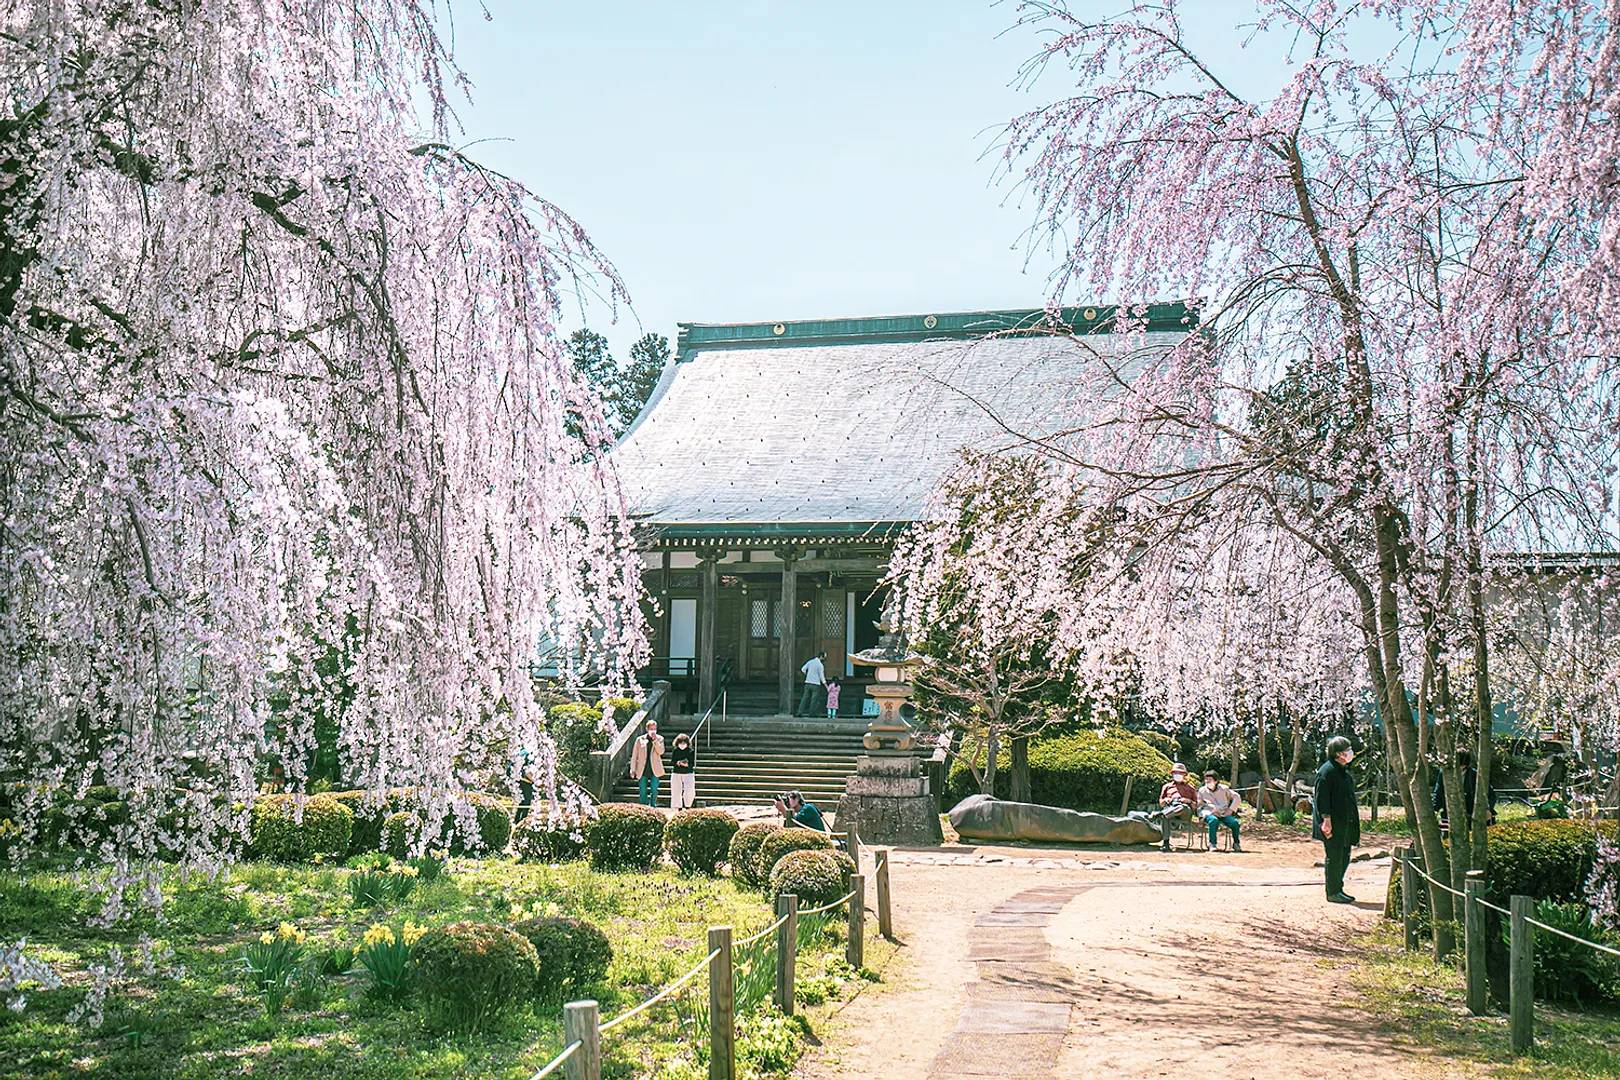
(844, 428)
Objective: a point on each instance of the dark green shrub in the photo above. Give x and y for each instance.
(700, 840)
(368, 819)
(324, 830)
(1086, 770)
(494, 822)
(782, 843)
(814, 876)
(547, 837)
(744, 851)
(577, 729)
(469, 972)
(1548, 860)
(625, 836)
(1567, 970)
(494, 828)
(572, 954)
(399, 833)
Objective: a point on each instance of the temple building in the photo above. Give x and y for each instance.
(775, 463)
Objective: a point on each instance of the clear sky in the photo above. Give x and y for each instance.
(757, 160)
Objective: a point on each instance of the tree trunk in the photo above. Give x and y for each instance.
(1265, 766)
(1293, 765)
(1020, 769)
(992, 744)
(1237, 756)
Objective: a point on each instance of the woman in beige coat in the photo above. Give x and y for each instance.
(647, 764)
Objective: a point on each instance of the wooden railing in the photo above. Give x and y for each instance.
(610, 764)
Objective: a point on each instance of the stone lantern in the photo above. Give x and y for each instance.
(887, 800)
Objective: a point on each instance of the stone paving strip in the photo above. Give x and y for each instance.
(1017, 1010)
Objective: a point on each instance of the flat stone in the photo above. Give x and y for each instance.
(1022, 982)
(1042, 907)
(1012, 918)
(982, 817)
(1014, 1017)
(893, 786)
(903, 766)
(1016, 952)
(974, 1054)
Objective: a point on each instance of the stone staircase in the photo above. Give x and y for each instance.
(748, 759)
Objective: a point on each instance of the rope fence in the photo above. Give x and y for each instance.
(1522, 927)
(742, 975)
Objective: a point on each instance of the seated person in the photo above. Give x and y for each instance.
(1470, 775)
(799, 814)
(1178, 800)
(1219, 805)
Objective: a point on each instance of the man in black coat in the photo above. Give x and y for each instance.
(1335, 817)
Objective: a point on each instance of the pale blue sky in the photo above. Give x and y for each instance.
(754, 160)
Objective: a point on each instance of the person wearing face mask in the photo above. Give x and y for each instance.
(1335, 817)
(1219, 805)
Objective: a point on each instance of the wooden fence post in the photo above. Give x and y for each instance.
(1521, 975)
(580, 1025)
(1125, 803)
(852, 843)
(787, 951)
(885, 915)
(855, 951)
(722, 1007)
(1409, 896)
(1474, 940)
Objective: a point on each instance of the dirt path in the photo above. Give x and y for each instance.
(1070, 964)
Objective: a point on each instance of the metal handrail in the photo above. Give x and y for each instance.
(719, 702)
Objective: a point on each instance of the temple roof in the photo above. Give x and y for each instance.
(843, 428)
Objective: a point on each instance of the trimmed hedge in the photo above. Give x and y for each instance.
(1547, 860)
(700, 840)
(368, 820)
(471, 972)
(782, 843)
(625, 836)
(1083, 771)
(544, 837)
(324, 830)
(815, 876)
(744, 850)
(572, 953)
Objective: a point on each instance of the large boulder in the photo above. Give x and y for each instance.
(980, 817)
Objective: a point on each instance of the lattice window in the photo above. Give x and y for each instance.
(832, 615)
(759, 618)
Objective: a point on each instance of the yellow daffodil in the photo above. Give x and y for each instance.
(268, 937)
(412, 932)
(378, 935)
(408, 871)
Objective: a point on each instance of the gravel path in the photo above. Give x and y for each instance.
(1033, 965)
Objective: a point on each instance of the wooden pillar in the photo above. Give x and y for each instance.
(788, 646)
(722, 1002)
(711, 600)
(855, 947)
(1521, 975)
(885, 915)
(1409, 897)
(579, 1025)
(1474, 939)
(787, 951)
(664, 616)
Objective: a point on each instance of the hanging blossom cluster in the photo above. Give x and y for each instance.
(1399, 364)
(286, 435)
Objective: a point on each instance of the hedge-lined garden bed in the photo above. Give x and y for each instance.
(1086, 770)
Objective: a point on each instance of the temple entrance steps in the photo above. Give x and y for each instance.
(749, 759)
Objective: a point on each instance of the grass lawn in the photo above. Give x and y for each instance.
(197, 1016)
(1425, 1001)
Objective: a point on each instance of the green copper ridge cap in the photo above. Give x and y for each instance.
(942, 326)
